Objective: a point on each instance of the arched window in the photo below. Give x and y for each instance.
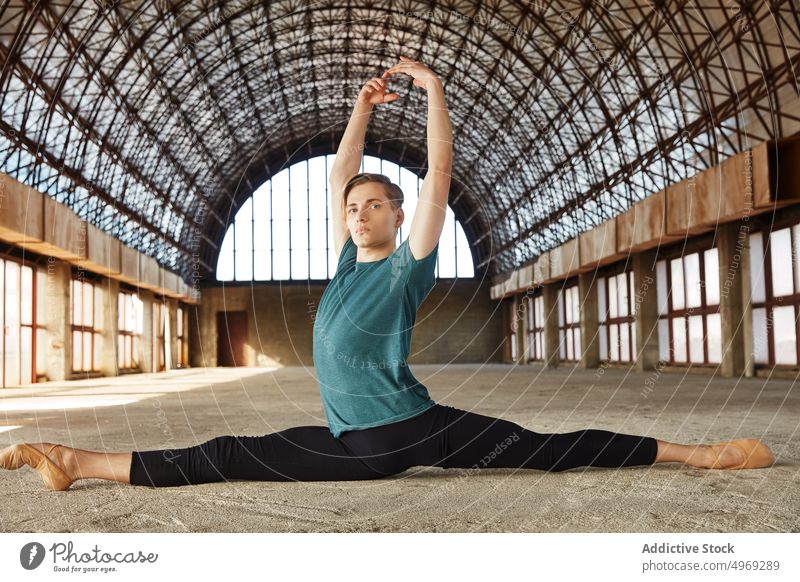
(285, 232)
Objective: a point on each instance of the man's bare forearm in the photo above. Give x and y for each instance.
(348, 156)
(440, 131)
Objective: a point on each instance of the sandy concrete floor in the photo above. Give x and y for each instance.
(186, 407)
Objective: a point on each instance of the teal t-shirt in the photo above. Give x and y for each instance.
(362, 336)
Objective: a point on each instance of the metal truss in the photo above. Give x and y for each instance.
(156, 120)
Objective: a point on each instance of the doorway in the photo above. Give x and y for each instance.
(231, 338)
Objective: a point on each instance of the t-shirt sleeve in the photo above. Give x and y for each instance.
(348, 252)
(420, 274)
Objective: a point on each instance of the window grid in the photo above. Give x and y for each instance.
(83, 326)
(130, 324)
(569, 324)
(20, 329)
(778, 314)
(676, 344)
(535, 327)
(616, 317)
(238, 256)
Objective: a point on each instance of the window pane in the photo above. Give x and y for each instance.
(624, 342)
(87, 350)
(77, 299)
(691, 265)
(540, 311)
(796, 256)
(696, 339)
(570, 344)
(561, 347)
(633, 341)
(262, 265)
(576, 305)
(631, 294)
(447, 247)
(560, 307)
(663, 340)
(711, 267)
(26, 315)
(614, 342)
(41, 342)
(783, 321)
(578, 351)
(622, 294)
(676, 267)
(225, 261)
(88, 304)
(602, 336)
(568, 307)
(714, 325)
(661, 281)
(613, 301)
(601, 299)
(77, 345)
(760, 351)
(679, 339)
(781, 256)
(757, 267)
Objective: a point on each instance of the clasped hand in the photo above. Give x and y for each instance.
(374, 91)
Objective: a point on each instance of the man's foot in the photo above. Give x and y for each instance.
(51, 461)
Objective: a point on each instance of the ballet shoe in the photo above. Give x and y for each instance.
(756, 454)
(54, 476)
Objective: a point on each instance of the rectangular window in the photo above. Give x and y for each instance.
(569, 324)
(616, 317)
(84, 334)
(17, 324)
(775, 292)
(689, 324)
(131, 326)
(535, 327)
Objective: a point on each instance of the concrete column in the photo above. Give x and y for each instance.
(732, 244)
(645, 304)
(58, 343)
(146, 341)
(172, 314)
(551, 339)
(590, 343)
(107, 323)
(749, 369)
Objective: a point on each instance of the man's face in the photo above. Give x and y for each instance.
(370, 216)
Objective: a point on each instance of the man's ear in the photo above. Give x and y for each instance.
(402, 217)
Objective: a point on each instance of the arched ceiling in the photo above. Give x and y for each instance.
(155, 120)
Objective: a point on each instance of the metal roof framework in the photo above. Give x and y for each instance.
(156, 120)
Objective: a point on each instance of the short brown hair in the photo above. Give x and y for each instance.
(392, 190)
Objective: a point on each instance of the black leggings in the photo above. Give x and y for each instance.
(441, 436)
